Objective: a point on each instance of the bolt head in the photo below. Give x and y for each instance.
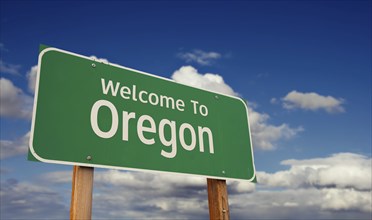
(89, 157)
(93, 65)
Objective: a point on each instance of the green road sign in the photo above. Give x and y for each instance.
(91, 113)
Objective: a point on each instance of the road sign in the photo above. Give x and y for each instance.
(91, 113)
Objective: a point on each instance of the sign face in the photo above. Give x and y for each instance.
(90, 113)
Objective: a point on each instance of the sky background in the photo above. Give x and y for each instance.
(303, 66)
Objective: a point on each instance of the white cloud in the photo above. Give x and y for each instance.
(23, 200)
(312, 101)
(346, 199)
(132, 179)
(103, 60)
(9, 68)
(31, 76)
(200, 57)
(157, 195)
(59, 177)
(160, 183)
(14, 148)
(337, 187)
(14, 103)
(239, 187)
(273, 101)
(143, 194)
(264, 135)
(310, 203)
(188, 75)
(342, 170)
(146, 195)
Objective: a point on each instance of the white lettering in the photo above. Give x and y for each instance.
(167, 101)
(109, 86)
(134, 93)
(172, 142)
(141, 129)
(182, 137)
(146, 124)
(124, 91)
(194, 106)
(201, 130)
(203, 112)
(180, 105)
(141, 98)
(153, 102)
(126, 118)
(94, 119)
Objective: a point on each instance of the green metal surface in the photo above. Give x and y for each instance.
(68, 87)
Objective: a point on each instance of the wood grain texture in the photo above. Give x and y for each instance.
(82, 189)
(218, 199)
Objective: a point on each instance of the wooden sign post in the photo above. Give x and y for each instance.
(218, 199)
(82, 189)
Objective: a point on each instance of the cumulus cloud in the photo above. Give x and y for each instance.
(146, 204)
(31, 77)
(9, 68)
(160, 183)
(309, 194)
(142, 195)
(312, 101)
(188, 75)
(200, 57)
(337, 187)
(14, 148)
(274, 101)
(309, 203)
(22, 200)
(147, 195)
(342, 170)
(132, 179)
(59, 177)
(14, 102)
(103, 60)
(264, 135)
(346, 199)
(239, 187)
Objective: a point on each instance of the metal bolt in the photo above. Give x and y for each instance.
(89, 157)
(93, 65)
(216, 96)
(223, 171)
(223, 210)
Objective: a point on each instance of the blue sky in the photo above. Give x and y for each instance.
(303, 66)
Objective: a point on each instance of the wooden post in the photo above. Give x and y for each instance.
(82, 189)
(218, 200)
